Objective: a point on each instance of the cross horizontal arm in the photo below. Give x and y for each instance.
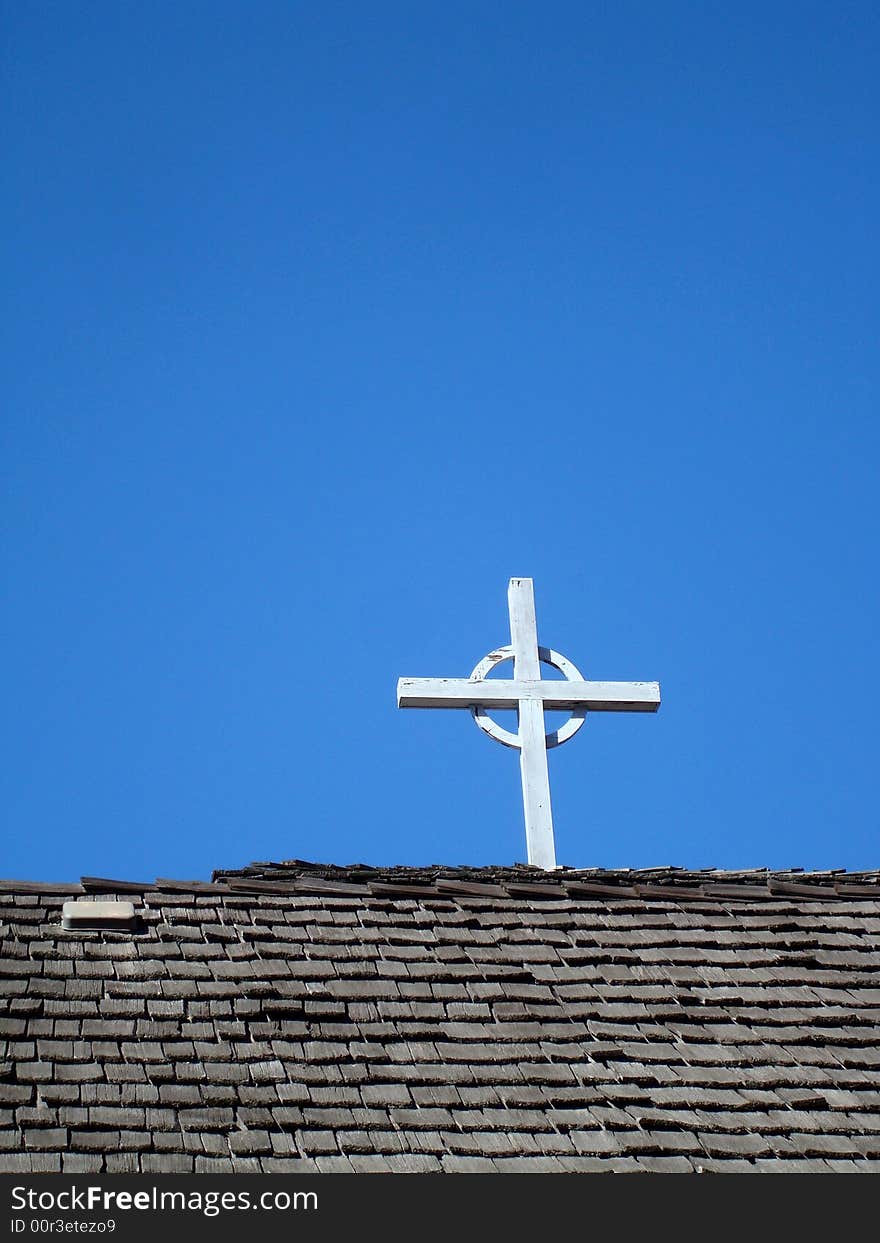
(504, 693)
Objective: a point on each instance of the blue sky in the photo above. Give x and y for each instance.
(326, 319)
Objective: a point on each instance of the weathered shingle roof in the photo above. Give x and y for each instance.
(298, 1017)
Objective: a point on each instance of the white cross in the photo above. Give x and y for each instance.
(530, 695)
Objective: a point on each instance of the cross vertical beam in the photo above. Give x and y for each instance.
(530, 713)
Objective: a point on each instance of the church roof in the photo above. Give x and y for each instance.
(291, 1016)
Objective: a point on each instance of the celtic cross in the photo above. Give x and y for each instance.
(530, 696)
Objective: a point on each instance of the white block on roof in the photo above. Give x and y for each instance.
(77, 914)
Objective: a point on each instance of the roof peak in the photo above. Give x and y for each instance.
(297, 876)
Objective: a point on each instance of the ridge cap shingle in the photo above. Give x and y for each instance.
(665, 883)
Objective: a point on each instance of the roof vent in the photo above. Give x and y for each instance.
(118, 915)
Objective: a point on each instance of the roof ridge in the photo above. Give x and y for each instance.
(508, 880)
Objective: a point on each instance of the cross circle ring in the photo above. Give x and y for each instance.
(548, 657)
